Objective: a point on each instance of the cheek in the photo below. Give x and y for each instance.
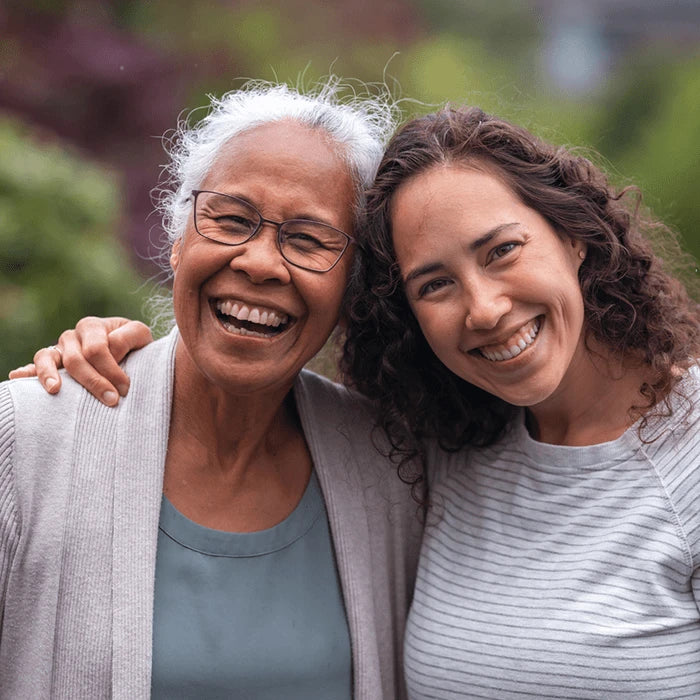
(330, 290)
(439, 329)
(323, 301)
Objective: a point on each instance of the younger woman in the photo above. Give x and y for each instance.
(512, 306)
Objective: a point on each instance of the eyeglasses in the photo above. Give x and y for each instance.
(310, 245)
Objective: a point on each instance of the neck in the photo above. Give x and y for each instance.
(596, 405)
(236, 461)
(230, 432)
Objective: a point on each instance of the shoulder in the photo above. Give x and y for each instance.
(346, 443)
(156, 355)
(27, 400)
(677, 435)
(7, 428)
(29, 407)
(37, 430)
(320, 400)
(9, 516)
(673, 448)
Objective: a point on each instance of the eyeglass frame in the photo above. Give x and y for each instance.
(277, 224)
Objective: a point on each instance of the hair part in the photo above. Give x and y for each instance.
(634, 306)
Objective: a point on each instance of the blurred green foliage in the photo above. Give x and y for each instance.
(59, 256)
(652, 132)
(60, 213)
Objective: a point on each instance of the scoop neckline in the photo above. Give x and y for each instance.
(205, 540)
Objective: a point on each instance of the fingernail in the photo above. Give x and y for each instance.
(110, 398)
(51, 383)
(123, 389)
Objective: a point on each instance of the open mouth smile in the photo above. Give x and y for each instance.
(522, 339)
(240, 318)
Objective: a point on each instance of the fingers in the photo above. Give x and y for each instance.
(130, 336)
(25, 371)
(88, 356)
(46, 363)
(79, 364)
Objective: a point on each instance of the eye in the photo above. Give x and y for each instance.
(227, 226)
(302, 239)
(234, 220)
(501, 251)
(433, 286)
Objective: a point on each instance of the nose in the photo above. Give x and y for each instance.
(260, 259)
(487, 305)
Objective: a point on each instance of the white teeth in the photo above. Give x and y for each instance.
(261, 316)
(243, 331)
(525, 337)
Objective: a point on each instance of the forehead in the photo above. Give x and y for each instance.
(288, 169)
(448, 193)
(280, 147)
(455, 183)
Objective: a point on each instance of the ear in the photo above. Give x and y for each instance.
(579, 249)
(175, 254)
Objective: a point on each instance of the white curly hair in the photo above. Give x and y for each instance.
(360, 125)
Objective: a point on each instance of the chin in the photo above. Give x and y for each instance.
(522, 398)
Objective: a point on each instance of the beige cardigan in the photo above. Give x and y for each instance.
(80, 493)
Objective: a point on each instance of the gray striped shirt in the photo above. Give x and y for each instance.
(562, 572)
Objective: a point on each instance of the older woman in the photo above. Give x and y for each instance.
(511, 309)
(228, 530)
(524, 314)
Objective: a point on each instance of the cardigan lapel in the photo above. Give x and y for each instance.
(337, 467)
(138, 487)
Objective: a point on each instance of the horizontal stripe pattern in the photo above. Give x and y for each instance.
(560, 572)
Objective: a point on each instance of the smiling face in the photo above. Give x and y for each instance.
(493, 287)
(249, 320)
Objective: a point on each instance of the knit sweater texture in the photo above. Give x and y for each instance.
(80, 495)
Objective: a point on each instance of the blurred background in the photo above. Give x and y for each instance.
(88, 88)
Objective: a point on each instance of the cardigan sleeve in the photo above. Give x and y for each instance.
(9, 520)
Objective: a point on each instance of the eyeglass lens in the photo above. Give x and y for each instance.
(233, 221)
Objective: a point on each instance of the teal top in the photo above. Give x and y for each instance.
(256, 615)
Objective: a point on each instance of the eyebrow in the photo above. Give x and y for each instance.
(474, 246)
(489, 235)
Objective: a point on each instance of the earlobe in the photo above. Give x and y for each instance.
(580, 248)
(175, 254)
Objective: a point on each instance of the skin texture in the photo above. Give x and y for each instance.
(286, 171)
(480, 270)
(237, 459)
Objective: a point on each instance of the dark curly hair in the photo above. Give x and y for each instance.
(633, 305)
